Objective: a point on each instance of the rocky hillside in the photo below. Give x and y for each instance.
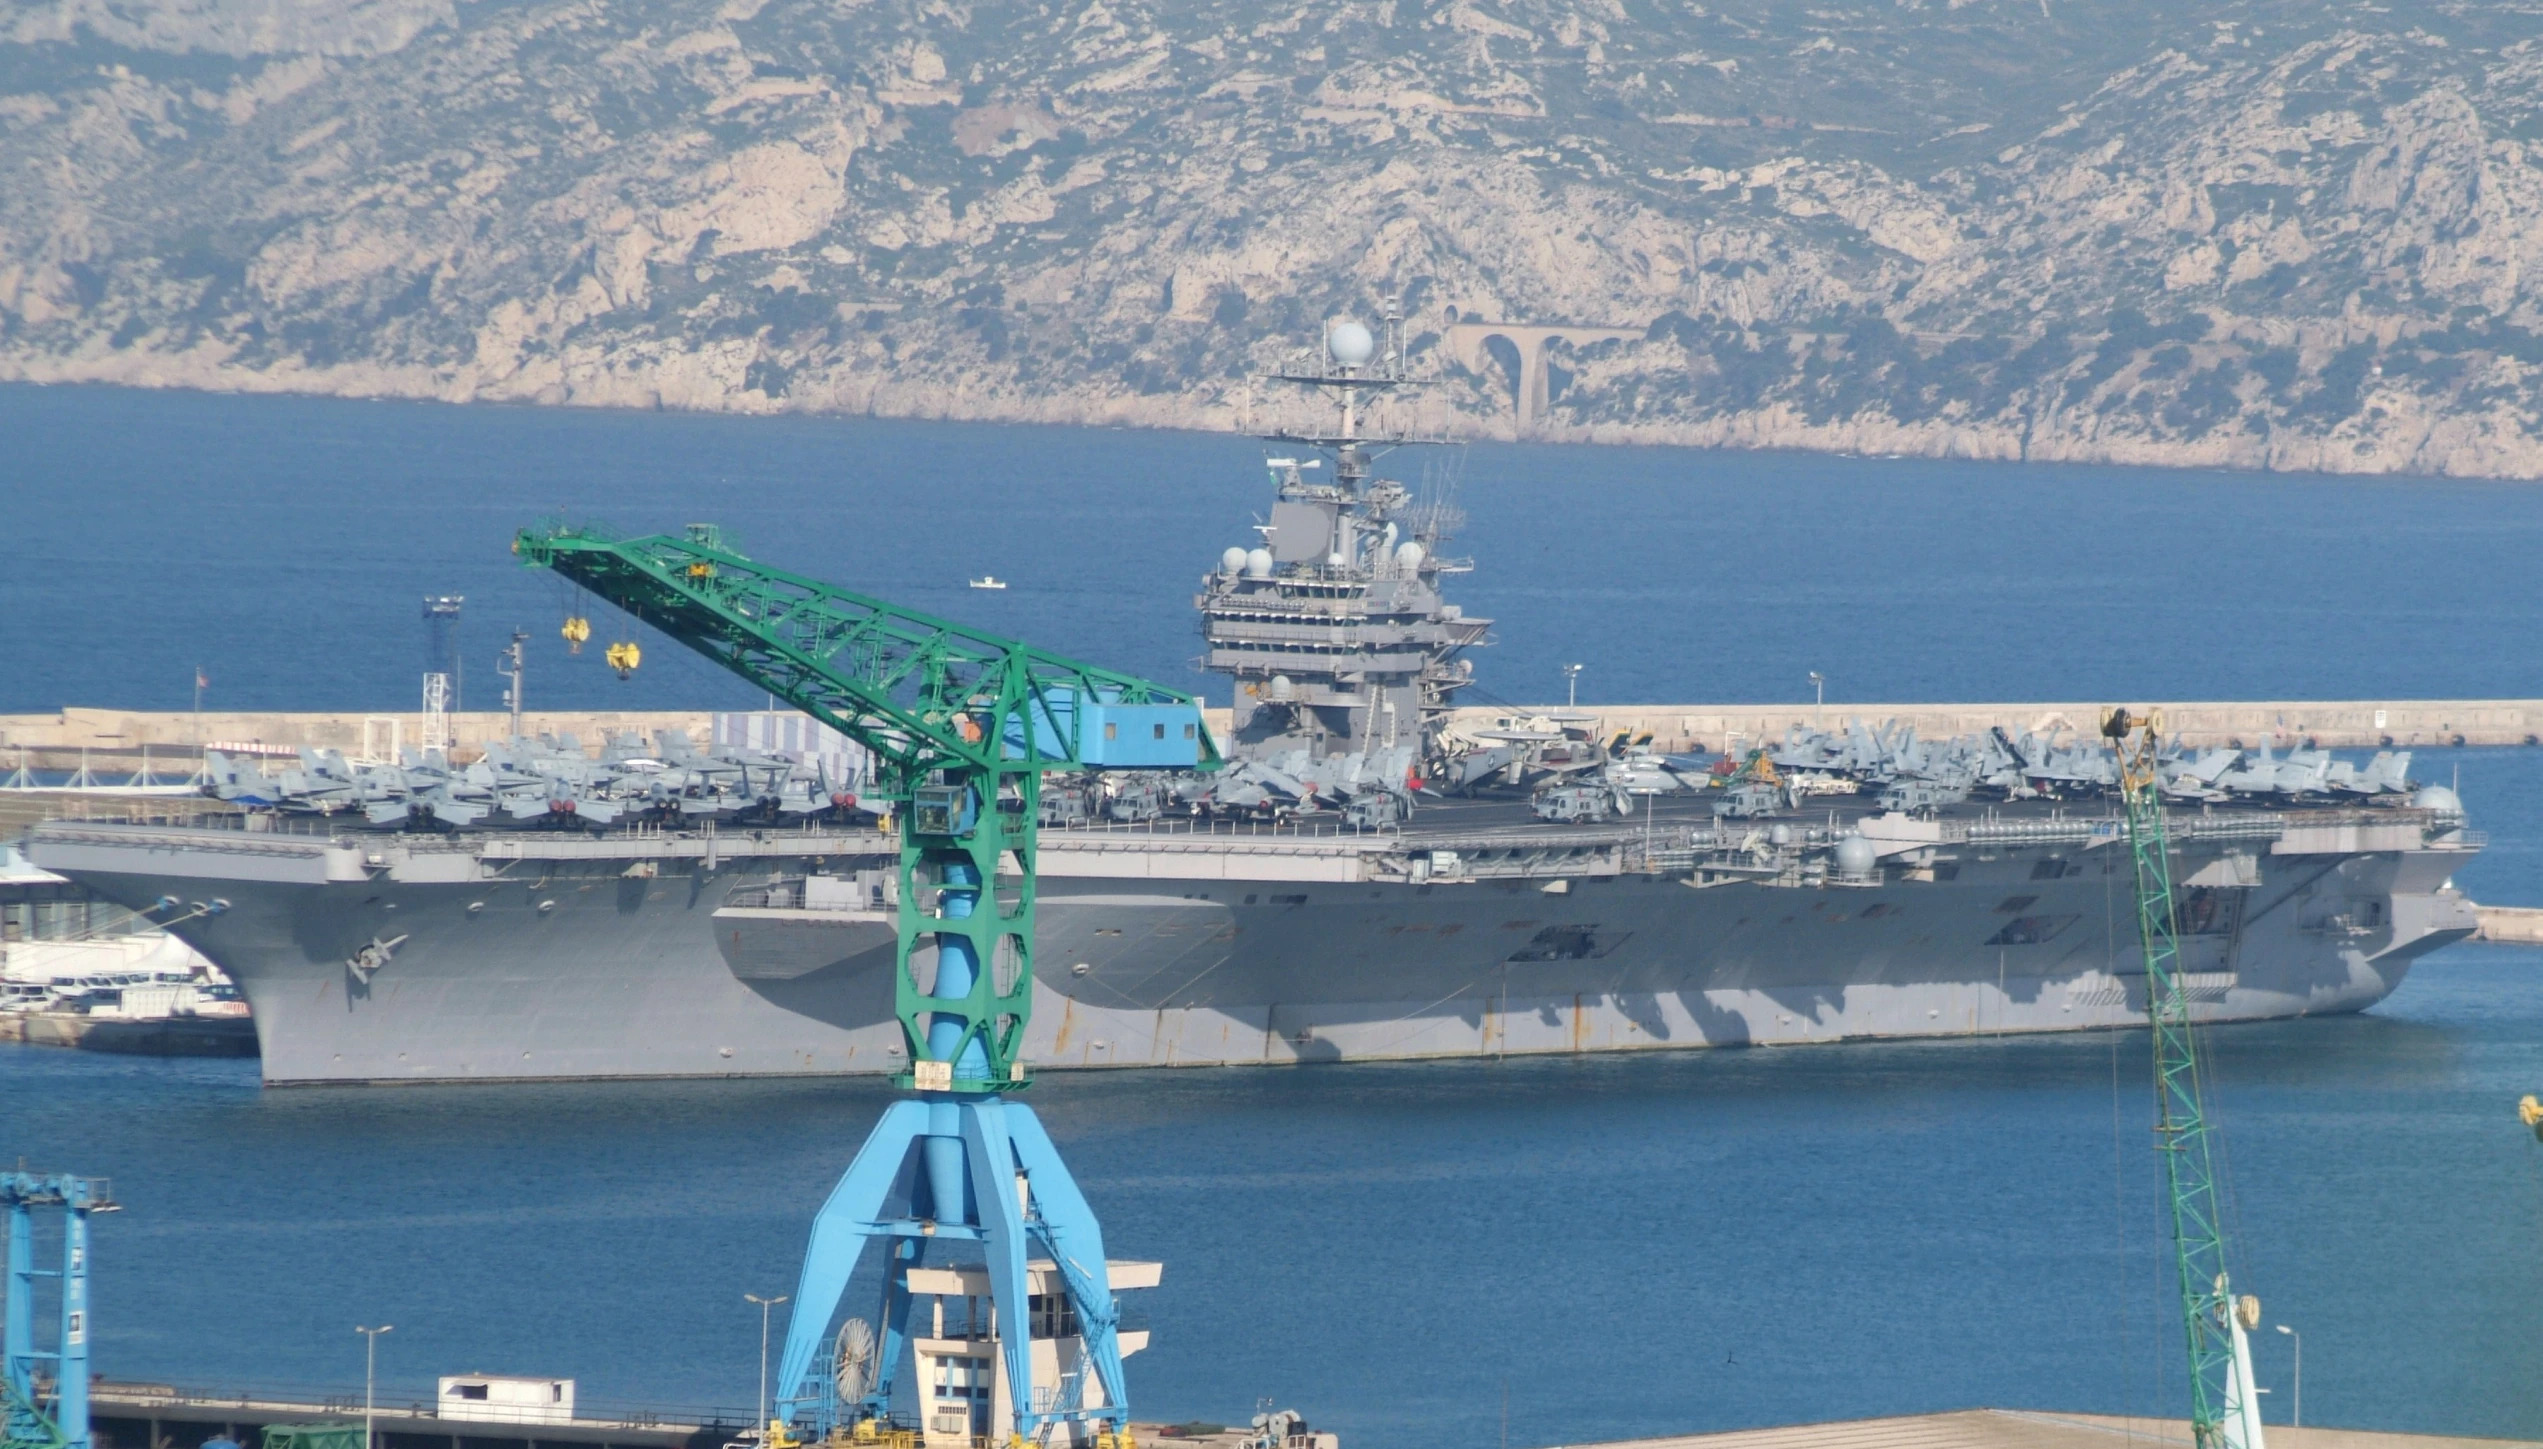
(2282, 233)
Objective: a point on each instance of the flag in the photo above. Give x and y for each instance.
(201, 680)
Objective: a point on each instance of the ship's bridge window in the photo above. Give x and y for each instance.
(1112, 731)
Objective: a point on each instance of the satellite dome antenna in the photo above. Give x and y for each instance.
(1350, 344)
(1355, 359)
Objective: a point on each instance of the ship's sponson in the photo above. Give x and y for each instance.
(512, 956)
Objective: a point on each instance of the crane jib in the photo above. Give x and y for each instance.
(923, 692)
(962, 725)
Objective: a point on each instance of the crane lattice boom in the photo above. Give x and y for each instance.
(919, 691)
(2224, 1414)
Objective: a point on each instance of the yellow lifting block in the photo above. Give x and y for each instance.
(576, 630)
(2530, 1112)
(624, 656)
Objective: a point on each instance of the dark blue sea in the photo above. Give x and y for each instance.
(285, 544)
(1618, 1246)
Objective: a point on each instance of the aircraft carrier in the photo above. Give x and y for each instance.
(1359, 885)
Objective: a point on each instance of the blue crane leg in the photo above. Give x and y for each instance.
(1002, 1224)
(71, 1407)
(895, 1335)
(839, 1232)
(1077, 1245)
(957, 967)
(20, 1334)
(941, 1152)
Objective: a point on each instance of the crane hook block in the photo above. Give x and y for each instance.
(576, 630)
(624, 656)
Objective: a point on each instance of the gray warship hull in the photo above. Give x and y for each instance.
(530, 956)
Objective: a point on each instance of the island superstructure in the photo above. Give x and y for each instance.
(1321, 899)
(1333, 627)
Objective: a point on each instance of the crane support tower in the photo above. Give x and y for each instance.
(2224, 1403)
(963, 725)
(32, 1423)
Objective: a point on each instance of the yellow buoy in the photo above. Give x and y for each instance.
(624, 656)
(576, 630)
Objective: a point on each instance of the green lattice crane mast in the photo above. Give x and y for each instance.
(962, 725)
(2224, 1405)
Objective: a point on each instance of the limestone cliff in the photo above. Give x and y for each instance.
(2280, 235)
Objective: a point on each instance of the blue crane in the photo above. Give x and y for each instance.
(963, 725)
(27, 1421)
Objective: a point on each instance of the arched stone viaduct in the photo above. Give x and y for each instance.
(1468, 343)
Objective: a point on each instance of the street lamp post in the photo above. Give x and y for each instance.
(1572, 685)
(765, 1304)
(2299, 1420)
(1819, 706)
(370, 1376)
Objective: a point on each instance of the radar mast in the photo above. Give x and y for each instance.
(1332, 625)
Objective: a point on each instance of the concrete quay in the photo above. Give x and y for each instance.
(116, 739)
(170, 1036)
(148, 1416)
(162, 1416)
(2032, 1429)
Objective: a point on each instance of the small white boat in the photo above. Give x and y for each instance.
(988, 581)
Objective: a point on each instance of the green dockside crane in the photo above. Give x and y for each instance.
(2224, 1403)
(963, 725)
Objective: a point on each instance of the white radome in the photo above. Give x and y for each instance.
(1350, 343)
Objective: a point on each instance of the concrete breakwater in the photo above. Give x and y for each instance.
(118, 738)
(174, 1036)
(2513, 925)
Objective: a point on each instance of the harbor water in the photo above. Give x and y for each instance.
(1624, 1245)
(283, 545)
(1611, 1246)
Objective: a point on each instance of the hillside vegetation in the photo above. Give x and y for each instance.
(2283, 235)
